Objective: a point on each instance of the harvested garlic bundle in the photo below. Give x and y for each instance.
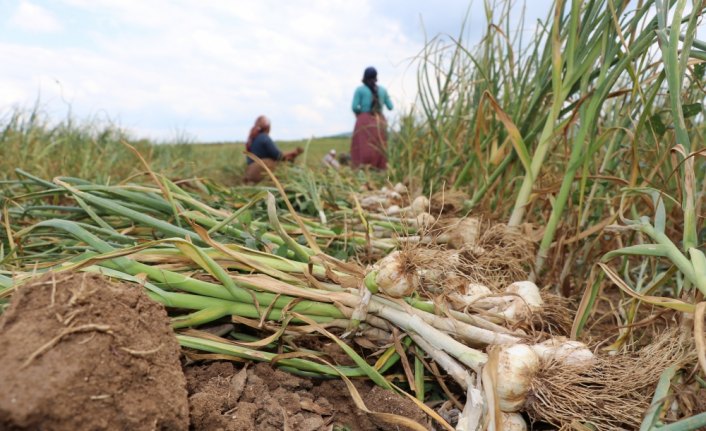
(374, 202)
(390, 276)
(445, 271)
(465, 233)
(525, 300)
(424, 220)
(472, 294)
(420, 205)
(516, 367)
(564, 351)
(521, 300)
(400, 188)
(393, 196)
(513, 422)
(529, 292)
(476, 290)
(393, 210)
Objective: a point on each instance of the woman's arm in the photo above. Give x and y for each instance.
(271, 149)
(388, 101)
(357, 101)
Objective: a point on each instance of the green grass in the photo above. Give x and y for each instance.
(96, 151)
(224, 162)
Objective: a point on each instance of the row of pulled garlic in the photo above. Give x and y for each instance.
(518, 301)
(517, 365)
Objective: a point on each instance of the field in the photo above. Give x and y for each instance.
(88, 150)
(533, 257)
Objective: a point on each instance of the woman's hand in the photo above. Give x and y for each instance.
(292, 154)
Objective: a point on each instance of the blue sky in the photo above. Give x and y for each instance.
(204, 70)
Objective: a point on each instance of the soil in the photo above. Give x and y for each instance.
(80, 352)
(259, 397)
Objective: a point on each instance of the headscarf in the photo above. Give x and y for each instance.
(262, 125)
(370, 79)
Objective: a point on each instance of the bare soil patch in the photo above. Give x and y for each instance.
(81, 352)
(223, 396)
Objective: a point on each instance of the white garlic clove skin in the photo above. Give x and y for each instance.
(394, 196)
(492, 304)
(477, 290)
(430, 274)
(564, 351)
(513, 422)
(514, 309)
(391, 278)
(480, 296)
(374, 202)
(516, 367)
(400, 188)
(393, 210)
(529, 292)
(424, 220)
(465, 233)
(420, 205)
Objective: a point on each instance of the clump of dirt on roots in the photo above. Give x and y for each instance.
(611, 394)
(81, 352)
(260, 397)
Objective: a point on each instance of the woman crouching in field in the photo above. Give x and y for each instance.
(369, 140)
(260, 144)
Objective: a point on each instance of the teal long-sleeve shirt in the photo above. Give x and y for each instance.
(363, 99)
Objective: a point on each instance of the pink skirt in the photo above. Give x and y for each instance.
(369, 141)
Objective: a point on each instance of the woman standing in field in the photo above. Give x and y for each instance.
(369, 140)
(260, 144)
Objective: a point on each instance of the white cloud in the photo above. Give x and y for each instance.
(209, 68)
(307, 113)
(34, 18)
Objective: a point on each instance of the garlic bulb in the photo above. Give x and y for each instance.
(513, 422)
(513, 309)
(480, 296)
(420, 205)
(443, 269)
(470, 295)
(516, 367)
(465, 233)
(529, 292)
(392, 279)
(424, 220)
(567, 352)
(394, 196)
(400, 188)
(475, 290)
(374, 202)
(393, 210)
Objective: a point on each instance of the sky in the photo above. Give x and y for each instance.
(203, 70)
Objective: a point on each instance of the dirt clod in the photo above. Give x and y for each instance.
(82, 352)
